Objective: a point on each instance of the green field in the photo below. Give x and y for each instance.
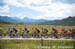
(35, 44)
(20, 27)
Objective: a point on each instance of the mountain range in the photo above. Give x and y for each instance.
(13, 20)
(6, 19)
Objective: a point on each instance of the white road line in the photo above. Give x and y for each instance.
(33, 39)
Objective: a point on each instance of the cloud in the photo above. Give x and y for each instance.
(14, 3)
(2, 3)
(56, 10)
(50, 9)
(26, 3)
(24, 12)
(65, 1)
(4, 9)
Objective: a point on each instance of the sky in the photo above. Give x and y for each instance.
(37, 9)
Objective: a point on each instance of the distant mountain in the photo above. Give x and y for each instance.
(15, 20)
(6, 19)
(66, 21)
(32, 21)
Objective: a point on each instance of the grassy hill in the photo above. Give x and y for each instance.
(66, 21)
